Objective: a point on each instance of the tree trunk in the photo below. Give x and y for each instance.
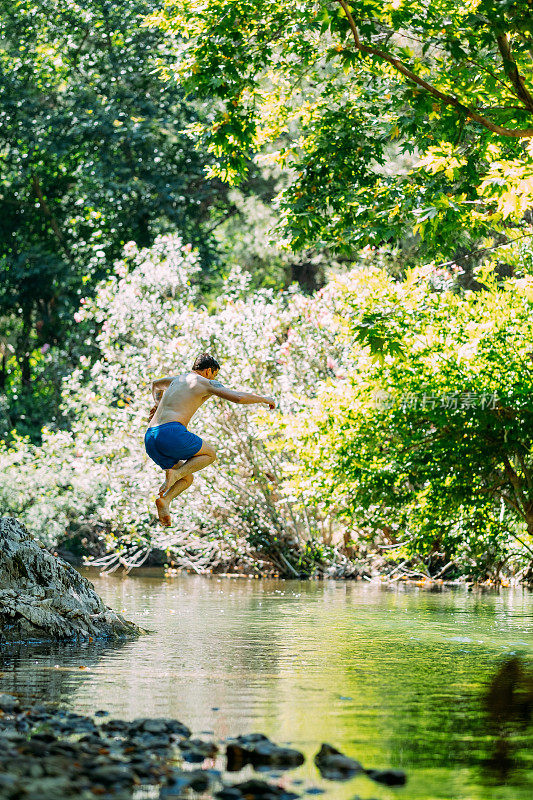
(23, 348)
(3, 368)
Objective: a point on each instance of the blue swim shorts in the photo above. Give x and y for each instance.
(171, 442)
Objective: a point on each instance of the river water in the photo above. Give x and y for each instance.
(392, 677)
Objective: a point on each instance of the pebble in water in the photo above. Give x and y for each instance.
(389, 777)
(197, 750)
(335, 766)
(258, 750)
(255, 789)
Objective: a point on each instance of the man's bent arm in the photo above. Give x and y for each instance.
(159, 386)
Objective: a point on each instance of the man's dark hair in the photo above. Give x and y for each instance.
(205, 361)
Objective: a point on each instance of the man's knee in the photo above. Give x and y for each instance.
(209, 450)
(188, 479)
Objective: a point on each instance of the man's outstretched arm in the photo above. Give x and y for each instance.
(245, 398)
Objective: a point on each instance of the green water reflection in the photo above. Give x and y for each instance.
(392, 678)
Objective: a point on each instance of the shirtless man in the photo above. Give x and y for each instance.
(167, 440)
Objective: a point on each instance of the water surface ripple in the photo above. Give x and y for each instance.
(393, 678)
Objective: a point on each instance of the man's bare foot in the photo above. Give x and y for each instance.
(163, 512)
(170, 480)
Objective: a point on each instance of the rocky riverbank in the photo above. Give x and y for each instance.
(47, 753)
(44, 598)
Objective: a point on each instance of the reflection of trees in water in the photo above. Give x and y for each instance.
(468, 718)
(509, 711)
(209, 633)
(412, 686)
(30, 672)
(411, 694)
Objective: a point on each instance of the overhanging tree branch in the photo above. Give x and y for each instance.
(515, 483)
(525, 470)
(511, 70)
(517, 133)
(513, 505)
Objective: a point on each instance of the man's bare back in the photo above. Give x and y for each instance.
(181, 399)
(168, 442)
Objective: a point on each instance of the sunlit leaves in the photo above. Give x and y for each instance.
(431, 439)
(249, 54)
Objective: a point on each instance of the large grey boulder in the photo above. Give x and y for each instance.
(44, 598)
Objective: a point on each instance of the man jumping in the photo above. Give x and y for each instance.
(167, 440)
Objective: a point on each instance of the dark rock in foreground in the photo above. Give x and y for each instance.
(44, 598)
(256, 749)
(334, 765)
(48, 753)
(39, 759)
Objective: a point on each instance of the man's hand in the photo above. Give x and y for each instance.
(270, 402)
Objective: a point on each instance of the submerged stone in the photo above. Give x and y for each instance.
(388, 777)
(113, 773)
(334, 765)
(197, 750)
(229, 793)
(9, 703)
(155, 726)
(116, 726)
(258, 750)
(198, 780)
(254, 789)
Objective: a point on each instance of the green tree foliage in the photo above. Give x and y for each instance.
(429, 442)
(401, 115)
(93, 154)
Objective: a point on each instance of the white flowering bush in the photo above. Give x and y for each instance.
(151, 323)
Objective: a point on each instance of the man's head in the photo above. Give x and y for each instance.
(206, 365)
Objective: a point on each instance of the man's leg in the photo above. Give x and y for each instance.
(182, 479)
(163, 503)
(169, 478)
(205, 456)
